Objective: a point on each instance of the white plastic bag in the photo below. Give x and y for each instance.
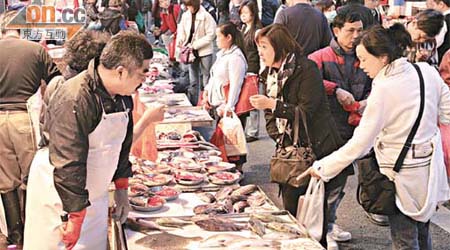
(234, 136)
(310, 208)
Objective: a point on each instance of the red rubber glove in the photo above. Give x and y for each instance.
(352, 107)
(72, 229)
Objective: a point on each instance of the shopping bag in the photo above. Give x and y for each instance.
(233, 134)
(445, 135)
(217, 139)
(310, 208)
(249, 88)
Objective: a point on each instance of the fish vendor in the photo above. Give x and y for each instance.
(90, 128)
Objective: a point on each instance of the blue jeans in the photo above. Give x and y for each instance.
(408, 234)
(252, 128)
(335, 193)
(199, 69)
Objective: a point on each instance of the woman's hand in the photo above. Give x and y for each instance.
(310, 171)
(205, 102)
(263, 102)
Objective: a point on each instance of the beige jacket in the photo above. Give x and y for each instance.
(204, 33)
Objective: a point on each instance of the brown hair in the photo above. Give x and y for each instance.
(193, 3)
(280, 39)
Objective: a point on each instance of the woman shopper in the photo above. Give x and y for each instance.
(388, 118)
(293, 80)
(230, 68)
(197, 31)
(249, 17)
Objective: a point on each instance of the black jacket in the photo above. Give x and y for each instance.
(446, 44)
(305, 88)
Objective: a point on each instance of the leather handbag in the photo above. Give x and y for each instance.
(289, 162)
(375, 192)
(186, 55)
(249, 88)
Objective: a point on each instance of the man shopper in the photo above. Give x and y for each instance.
(306, 24)
(23, 64)
(347, 87)
(90, 127)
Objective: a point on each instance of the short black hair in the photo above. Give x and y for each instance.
(430, 21)
(446, 2)
(128, 49)
(345, 16)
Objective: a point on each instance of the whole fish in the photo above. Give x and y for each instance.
(223, 193)
(281, 227)
(255, 244)
(239, 206)
(257, 227)
(214, 208)
(206, 197)
(172, 222)
(256, 200)
(269, 218)
(245, 190)
(141, 225)
(280, 236)
(236, 198)
(218, 225)
(220, 240)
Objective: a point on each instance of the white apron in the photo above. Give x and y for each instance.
(44, 207)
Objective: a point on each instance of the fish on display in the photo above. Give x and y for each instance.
(214, 208)
(256, 200)
(257, 227)
(280, 236)
(141, 225)
(206, 197)
(223, 193)
(239, 206)
(236, 198)
(281, 227)
(220, 240)
(218, 225)
(269, 218)
(254, 244)
(245, 190)
(172, 222)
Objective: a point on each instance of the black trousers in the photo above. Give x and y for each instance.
(14, 207)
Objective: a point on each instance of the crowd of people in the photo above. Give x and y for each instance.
(349, 73)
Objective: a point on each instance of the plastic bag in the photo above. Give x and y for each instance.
(234, 136)
(310, 208)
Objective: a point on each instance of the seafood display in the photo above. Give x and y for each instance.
(172, 222)
(147, 204)
(217, 224)
(168, 193)
(220, 240)
(224, 178)
(189, 178)
(175, 115)
(257, 227)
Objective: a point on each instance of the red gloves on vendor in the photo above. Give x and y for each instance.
(72, 228)
(121, 198)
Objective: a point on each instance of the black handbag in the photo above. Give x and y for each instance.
(289, 162)
(375, 192)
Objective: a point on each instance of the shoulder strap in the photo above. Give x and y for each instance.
(298, 112)
(407, 146)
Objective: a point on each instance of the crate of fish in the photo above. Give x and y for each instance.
(276, 230)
